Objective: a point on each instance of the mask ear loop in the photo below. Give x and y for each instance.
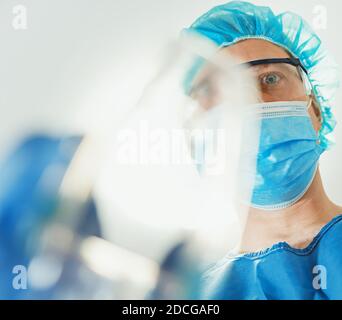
(309, 102)
(308, 91)
(307, 86)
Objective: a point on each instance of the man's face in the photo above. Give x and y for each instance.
(276, 82)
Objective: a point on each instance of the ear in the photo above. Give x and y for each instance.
(315, 113)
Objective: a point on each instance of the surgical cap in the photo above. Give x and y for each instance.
(237, 20)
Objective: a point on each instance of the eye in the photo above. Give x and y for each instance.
(202, 89)
(270, 79)
(205, 94)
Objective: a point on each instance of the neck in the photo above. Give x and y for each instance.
(296, 225)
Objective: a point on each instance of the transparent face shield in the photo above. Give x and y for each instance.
(159, 180)
(201, 103)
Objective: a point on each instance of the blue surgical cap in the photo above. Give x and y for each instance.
(238, 20)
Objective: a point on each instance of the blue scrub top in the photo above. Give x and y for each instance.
(282, 272)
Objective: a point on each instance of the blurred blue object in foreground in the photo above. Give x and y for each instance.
(30, 178)
(180, 274)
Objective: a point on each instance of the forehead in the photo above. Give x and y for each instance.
(254, 49)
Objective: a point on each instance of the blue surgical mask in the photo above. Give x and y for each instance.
(287, 157)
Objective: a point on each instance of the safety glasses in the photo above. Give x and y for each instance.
(291, 61)
(280, 79)
(274, 79)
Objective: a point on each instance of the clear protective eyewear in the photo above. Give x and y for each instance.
(275, 79)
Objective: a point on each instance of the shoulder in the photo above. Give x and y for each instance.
(241, 276)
